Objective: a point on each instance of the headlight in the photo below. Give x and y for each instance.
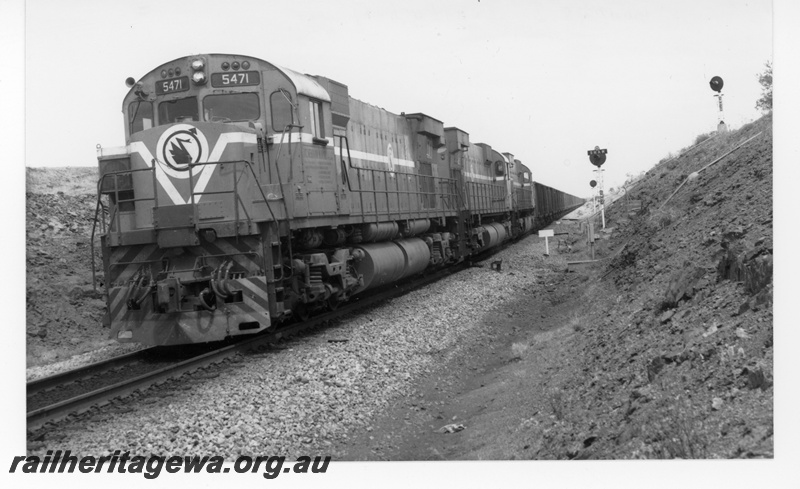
(198, 64)
(199, 78)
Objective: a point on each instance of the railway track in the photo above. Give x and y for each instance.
(52, 399)
(55, 388)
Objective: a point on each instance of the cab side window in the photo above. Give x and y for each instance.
(140, 116)
(315, 118)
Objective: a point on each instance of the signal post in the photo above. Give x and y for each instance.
(597, 157)
(716, 85)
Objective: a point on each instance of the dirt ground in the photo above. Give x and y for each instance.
(661, 349)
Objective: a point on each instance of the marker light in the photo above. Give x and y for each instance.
(235, 65)
(163, 73)
(198, 64)
(199, 78)
(177, 71)
(226, 66)
(245, 65)
(171, 73)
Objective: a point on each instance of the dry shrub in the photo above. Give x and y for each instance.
(518, 350)
(702, 137)
(662, 218)
(675, 433)
(669, 156)
(576, 323)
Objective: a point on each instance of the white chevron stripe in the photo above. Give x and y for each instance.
(205, 174)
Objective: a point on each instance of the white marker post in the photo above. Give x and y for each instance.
(546, 233)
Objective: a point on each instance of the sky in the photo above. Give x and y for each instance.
(544, 80)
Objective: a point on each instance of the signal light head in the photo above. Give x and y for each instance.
(716, 83)
(199, 78)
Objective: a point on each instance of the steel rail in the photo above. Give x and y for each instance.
(83, 402)
(45, 383)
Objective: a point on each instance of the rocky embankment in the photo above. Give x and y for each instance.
(672, 353)
(63, 309)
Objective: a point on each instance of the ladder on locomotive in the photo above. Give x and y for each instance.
(274, 258)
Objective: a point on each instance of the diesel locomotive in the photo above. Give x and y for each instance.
(248, 194)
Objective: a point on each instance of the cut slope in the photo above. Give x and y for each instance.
(675, 351)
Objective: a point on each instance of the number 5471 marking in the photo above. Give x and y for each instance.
(235, 78)
(242, 78)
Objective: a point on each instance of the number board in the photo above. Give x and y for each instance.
(238, 79)
(172, 85)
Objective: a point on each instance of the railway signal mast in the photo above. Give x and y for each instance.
(716, 85)
(597, 157)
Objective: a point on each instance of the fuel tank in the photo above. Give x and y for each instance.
(379, 231)
(493, 234)
(387, 262)
(415, 227)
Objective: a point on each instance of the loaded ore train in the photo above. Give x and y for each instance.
(248, 194)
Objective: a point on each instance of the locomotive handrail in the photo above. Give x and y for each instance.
(249, 166)
(396, 191)
(114, 215)
(480, 195)
(114, 212)
(91, 241)
(345, 175)
(287, 129)
(236, 199)
(344, 144)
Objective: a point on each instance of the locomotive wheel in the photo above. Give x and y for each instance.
(333, 303)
